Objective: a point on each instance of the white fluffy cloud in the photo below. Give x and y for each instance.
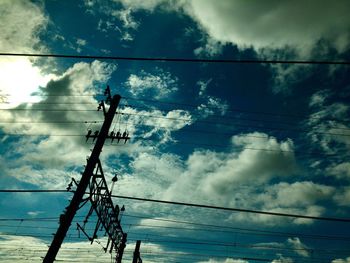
(234, 179)
(329, 133)
(240, 178)
(346, 260)
(299, 247)
(217, 174)
(20, 24)
(159, 85)
(341, 171)
(274, 24)
(17, 248)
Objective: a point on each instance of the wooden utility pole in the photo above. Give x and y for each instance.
(137, 257)
(67, 218)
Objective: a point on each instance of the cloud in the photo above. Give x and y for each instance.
(228, 260)
(263, 25)
(299, 247)
(226, 172)
(340, 171)
(21, 23)
(228, 179)
(294, 244)
(240, 178)
(146, 5)
(346, 260)
(212, 105)
(159, 85)
(342, 197)
(303, 194)
(23, 248)
(127, 19)
(250, 165)
(277, 30)
(218, 174)
(319, 98)
(31, 78)
(328, 123)
(269, 24)
(155, 123)
(65, 100)
(282, 259)
(203, 85)
(211, 48)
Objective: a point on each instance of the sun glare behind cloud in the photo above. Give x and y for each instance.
(20, 74)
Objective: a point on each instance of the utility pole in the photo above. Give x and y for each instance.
(137, 257)
(67, 218)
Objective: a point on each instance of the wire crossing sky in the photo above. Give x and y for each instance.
(238, 117)
(196, 60)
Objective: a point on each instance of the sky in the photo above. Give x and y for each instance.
(259, 136)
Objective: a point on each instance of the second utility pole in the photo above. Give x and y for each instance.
(67, 218)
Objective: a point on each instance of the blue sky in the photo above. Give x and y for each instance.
(268, 137)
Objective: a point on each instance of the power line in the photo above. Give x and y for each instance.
(182, 104)
(45, 110)
(294, 116)
(234, 209)
(298, 116)
(192, 60)
(238, 125)
(303, 153)
(229, 229)
(237, 244)
(240, 118)
(79, 122)
(199, 227)
(207, 243)
(33, 191)
(50, 103)
(181, 119)
(345, 220)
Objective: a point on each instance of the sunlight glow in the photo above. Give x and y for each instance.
(19, 79)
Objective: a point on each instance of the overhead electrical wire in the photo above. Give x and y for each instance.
(173, 239)
(207, 227)
(49, 122)
(238, 125)
(242, 210)
(47, 110)
(197, 121)
(230, 109)
(225, 244)
(198, 227)
(345, 220)
(239, 118)
(170, 59)
(146, 248)
(235, 124)
(299, 153)
(191, 105)
(210, 244)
